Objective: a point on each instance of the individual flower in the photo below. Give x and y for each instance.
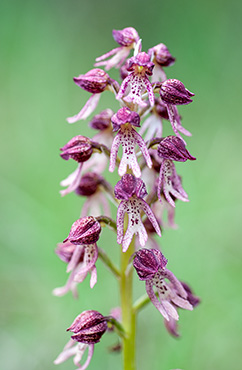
(131, 191)
(127, 39)
(95, 82)
(171, 149)
(173, 93)
(92, 185)
(171, 325)
(161, 57)
(140, 67)
(123, 122)
(88, 329)
(80, 149)
(150, 265)
(82, 257)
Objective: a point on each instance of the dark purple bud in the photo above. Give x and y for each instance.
(140, 63)
(147, 262)
(89, 184)
(128, 186)
(78, 148)
(173, 148)
(102, 120)
(88, 327)
(125, 115)
(162, 56)
(95, 81)
(66, 250)
(174, 92)
(190, 296)
(126, 37)
(85, 230)
(161, 109)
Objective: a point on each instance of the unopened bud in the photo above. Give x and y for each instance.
(85, 230)
(162, 56)
(147, 262)
(89, 184)
(78, 148)
(173, 148)
(174, 92)
(88, 327)
(95, 81)
(126, 37)
(102, 120)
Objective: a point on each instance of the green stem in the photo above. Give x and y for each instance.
(128, 315)
(106, 260)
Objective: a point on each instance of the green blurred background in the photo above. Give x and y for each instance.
(43, 45)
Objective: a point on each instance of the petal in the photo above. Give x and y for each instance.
(89, 357)
(66, 353)
(155, 300)
(151, 216)
(93, 279)
(90, 258)
(172, 312)
(183, 303)
(175, 282)
(75, 180)
(150, 91)
(114, 151)
(123, 87)
(86, 110)
(75, 258)
(143, 148)
(127, 239)
(120, 222)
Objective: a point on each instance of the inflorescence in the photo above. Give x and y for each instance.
(149, 184)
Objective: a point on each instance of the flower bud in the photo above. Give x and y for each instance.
(125, 115)
(140, 62)
(161, 109)
(174, 92)
(128, 186)
(162, 56)
(88, 327)
(173, 148)
(147, 262)
(89, 184)
(126, 37)
(94, 81)
(102, 120)
(78, 148)
(85, 230)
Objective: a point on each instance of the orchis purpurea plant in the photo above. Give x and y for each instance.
(149, 187)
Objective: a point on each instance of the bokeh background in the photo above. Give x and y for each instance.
(43, 45)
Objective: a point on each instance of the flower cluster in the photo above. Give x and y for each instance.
(149, 186)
